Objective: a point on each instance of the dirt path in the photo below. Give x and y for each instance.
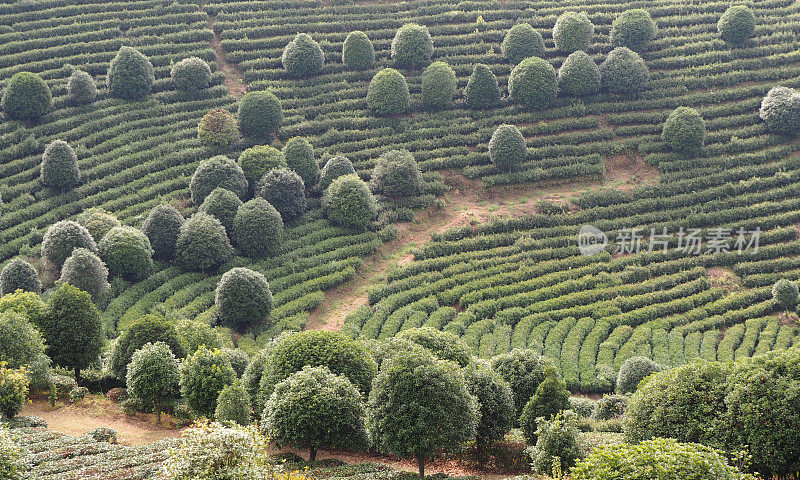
(467, 202)
(234, 79)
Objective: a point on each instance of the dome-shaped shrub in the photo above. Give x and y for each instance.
(257, 229)
(533, 83)
(162, 226)
(785, 293)
(284, 190)
(551, 398)
(358, 52)
(127, 253)
(153, 376)
(62, 238)
(299, 156)
(21, 344)
(737, 24)
(396, 174)
(26, 97)
(349, 203)
(521, 42)
(633, 29)
(482, 90)
(412, 46)
(143, 330)
(59, 167)
(438, 85)
(203, 376)
(218, 130)
(130, 75)
(633, 371)
(684, 130)
(443, 345)
(98, 222)
(780, 109)
(202, 243)
(334, 168)
(219, 171)
(387, 93)
(303, 57)
(223, 205)
(239, 360)
(573, 31)
(81, 88)
(191, 74)
(507, 149)
(579, 75)
(257, 161)
(495, 400)
(524, 370)
(243, 299)
(624, 71)
(85, 270)
(260, 114)
(233, 405)
(19, 275)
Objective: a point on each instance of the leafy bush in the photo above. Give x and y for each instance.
(81, 89)
(583, 406)
(633, 29)
(737, 24)
(19, 275)
(218, 130)
(438, 85)
(610, 407)
(785, 293)
(233, 405)
(130, 75)
(239, 360)
(551, 397)
(284, 190)
(684, 130)
(334, 168)
(412, 46)
(387, 93)
(72, 329)
(303, 57)
(624, 71)
(243, 299)
(257, 161)
(26, 97)
(202, 243)
(146, 329)
(780, 109)
(294, 414)
(98, 222)
(396, 174)
(657, 458)
(573, 31)
(495, 401)
(349, 203)
(203, 376)
(62, 238)
(162, 226)
(299, 155)
(27, 304)
(87, 271)
(507, 149)
(556, 438)
(482, 90)
(12, 465)
(252, 377)
(579, 75)
(420, 405)
(357, 51)
(533, 83)
(127, 253)
(194, 334)
(219, 171)
(191, 75)
(153, 376)
(260, 114)
(524, 370)
(257, 229)
(13, 390)
(21, 344)
(443, 345)
(59, 168)
(633, 371)
(521, 42)
(222, 204)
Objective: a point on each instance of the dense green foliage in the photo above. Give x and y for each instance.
(348, 202)
(533, 83)
(257, 161)
(438, 85)
(98, 222)
(482, 89)
(257, 229)
(284, 190)
(81, 89)
(191, 74)
(144, 330)
(62, 238)
(85, 270)
(521, 42)
(130, 75)
(396, 174)
(737, 24)
(551, 397)
(387, 93)
(13, 390)
(60, 166)
(127, 253)
(780, 109)
(358, 53)
(153, 376)
(495, 401)
(579, 75)
(556, 438)
(624, 71)
(299, 156)
(21, 344)
(684, 130)
(203, 376)
(26, 97)
(634, 29)
(202, 243)
(260, 114)
(633, 371)
(334, 168)
(507, 148)
(219, 171)
(19, 275)
(218, 130)
(162, 226)
(222, 204)
(785, 293)
(233, 405)
(412, 46)
(243, 299)
(524, 370)
(303, 57)
(573, 31)
(443, 345)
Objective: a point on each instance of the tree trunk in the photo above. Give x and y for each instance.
(421, 464)
(158, 409)
(78, 376)
(312, 455)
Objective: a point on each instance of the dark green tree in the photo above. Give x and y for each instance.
(303, 57)
(257, 229)
(162, 226)
(357, 51)
(243, 299)
(412, 46)
(533, 83)
(387, 93)
(59, 168)
(130, 75)
(260, 114)
(348, 202)
(19, 275)
(26, 97)
(482, 90)
(521, 42)
(299, 155)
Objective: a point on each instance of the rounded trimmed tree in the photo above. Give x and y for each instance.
(98, 222)
(260, 114)
(218, 130)
(219, 171)
(507, 148)
(257, 161)
(737, 24)
(26, 97)
(443, 345)
(162, 226)
(299, 156)
(438, 85)
(257, 229)
(624, 71)
(396, 174)
(202, 244)
(62, 238)
(19, 275)
(81, 89)
(59, 168)
(127, 253)
(358, 53)
(145, 329)
(203, 376)
(785, 293)
(191, 74)
(233, 405)
(633, 371)
(521, 42)
(21, 344)
(579, 75)
(633, 29)
(482, 89)
(524, 370)
(86, 271)
(780, 110)
(684, 130)
(387, 93)
(303, 57)
(533, 83)
(348, 202)
(572, 32)
(495, 401)
(243, 299)
(130, 75)
(551, 398)
(222, 204)
(284, 190)
(153, 376)
(334, 168)
(412, 46)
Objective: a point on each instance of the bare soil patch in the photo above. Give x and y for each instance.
(627, 171)
(723, 277)
(234, 79)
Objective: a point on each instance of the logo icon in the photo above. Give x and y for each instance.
(591, 240)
